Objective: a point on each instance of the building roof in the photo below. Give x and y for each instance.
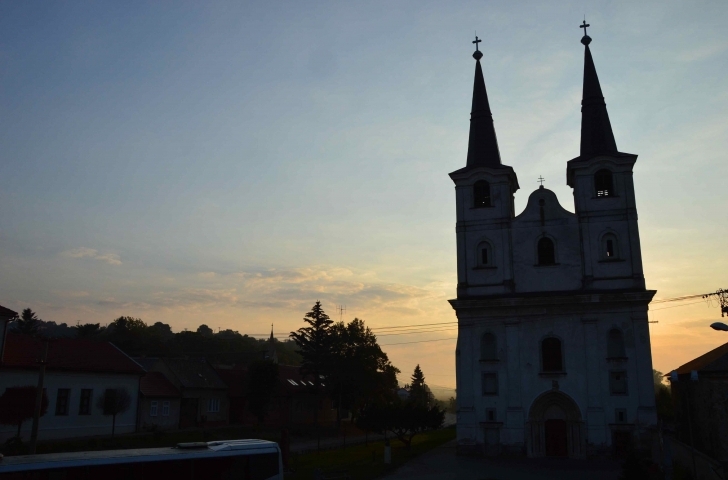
(146, 362)
(290, 380)
(715, 360)
(7, 313)
(195, 373)
(68, 354)
(155, 384)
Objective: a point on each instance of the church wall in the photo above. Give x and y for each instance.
(587, 370)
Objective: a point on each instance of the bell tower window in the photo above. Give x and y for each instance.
(603, 183)
(481, 194)
(546, 253)
(610, 247)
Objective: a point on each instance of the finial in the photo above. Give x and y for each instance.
(586, 39)
(478, 54)
(541, 180)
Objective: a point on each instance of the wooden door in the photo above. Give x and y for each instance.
(555, 436)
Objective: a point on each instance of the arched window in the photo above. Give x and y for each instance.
(481, 194)
(488, 347)
(484, 254)
(546, 254)
(603, 183)
(615, 344)
(610, 247)
(551, 357)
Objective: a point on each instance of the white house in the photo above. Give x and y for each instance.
(78, 372)
(553, 355)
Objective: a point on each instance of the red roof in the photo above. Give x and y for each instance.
(68, 354)
(706, 360)
(155, 384)
(234, 378)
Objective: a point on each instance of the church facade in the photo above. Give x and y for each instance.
(553, 355)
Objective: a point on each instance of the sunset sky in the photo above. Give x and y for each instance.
(230, 163)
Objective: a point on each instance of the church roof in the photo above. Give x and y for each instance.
(483, 144)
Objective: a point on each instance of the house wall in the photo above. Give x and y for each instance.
(204, 396)
(703, 403)
(163, 422)
(52, 426)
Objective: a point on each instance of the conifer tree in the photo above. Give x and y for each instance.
(419, 392)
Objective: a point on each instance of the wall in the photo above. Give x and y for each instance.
(163, 422)
(52, 426)
(584, 333)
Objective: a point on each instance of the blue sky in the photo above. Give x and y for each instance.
(229, 163)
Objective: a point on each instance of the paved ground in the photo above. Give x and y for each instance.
(442, 464)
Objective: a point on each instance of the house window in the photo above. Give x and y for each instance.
(490, 383)
(620, 415)
(615, 344)
(603, 183)
(618, 383)
(546, 253)
(551, 356)
(84, 405)
(481, 194)
(488, 347)
(153, 408)
(165, 408)
(62, 401)
(213, 405)
(490, 414)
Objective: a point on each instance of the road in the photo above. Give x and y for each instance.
(442, 464)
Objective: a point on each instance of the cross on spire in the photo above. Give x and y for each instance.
(584, 25)
(476, 42)
(541, 180)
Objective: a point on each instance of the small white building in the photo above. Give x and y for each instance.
(553, 355)
(78, 372)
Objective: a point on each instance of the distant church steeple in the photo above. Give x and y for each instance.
(483, 145)
(272, 355)
(596, 130)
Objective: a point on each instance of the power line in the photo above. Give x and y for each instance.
(421, 341)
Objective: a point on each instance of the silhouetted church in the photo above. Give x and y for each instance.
(553, 352)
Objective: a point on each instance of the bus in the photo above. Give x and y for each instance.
(221, 460)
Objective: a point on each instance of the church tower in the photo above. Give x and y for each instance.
(553, 354)
(484, 191)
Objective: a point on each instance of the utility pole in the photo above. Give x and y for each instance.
(38, 398)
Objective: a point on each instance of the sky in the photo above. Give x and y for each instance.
(230, 163)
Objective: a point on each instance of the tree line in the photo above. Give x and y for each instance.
(137, 338)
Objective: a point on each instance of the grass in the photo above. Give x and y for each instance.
(363, 462)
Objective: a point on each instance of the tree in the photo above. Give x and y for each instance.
(205, 331)
(261, 386)
(663, 397)
(17, 405)
(113, 402)
(88, 330)
(28, 323)
(314, 343)
(359, 371)
(419, 392)
(404, 420)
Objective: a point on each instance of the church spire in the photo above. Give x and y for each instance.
(596, 131)
(272, 354)
(483, 145)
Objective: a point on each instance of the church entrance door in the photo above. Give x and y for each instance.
(555, 438)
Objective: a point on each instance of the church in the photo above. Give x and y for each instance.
(553, 353)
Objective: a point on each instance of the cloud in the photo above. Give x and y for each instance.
(85, 252)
